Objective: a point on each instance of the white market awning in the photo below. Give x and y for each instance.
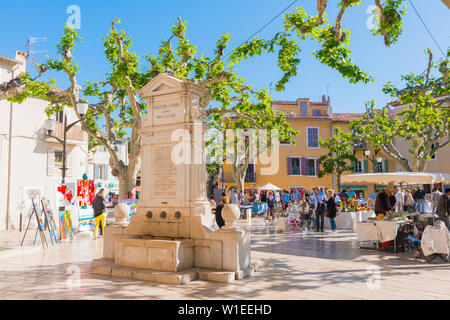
(269, 186)
(397, 178)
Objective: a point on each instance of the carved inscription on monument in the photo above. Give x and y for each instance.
(168, 112)
(164, 172)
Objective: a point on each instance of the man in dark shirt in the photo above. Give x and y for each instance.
(419, 196)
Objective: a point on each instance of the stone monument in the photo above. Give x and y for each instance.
(173, 236)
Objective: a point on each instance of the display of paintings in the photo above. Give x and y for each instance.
(85, 193)
(133, 205)
(66, 224)
(50, 219)
(86, 221)
(66, 194)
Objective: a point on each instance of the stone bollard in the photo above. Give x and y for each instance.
(121, 212)
(230, 214)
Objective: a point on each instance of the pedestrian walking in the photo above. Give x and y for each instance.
(233, 197)
(98, 205)
(435, 196)
(270, 205)
(331, 209)
(318, 200)
(286, 198)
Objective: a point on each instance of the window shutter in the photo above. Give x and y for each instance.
(289, 165)
(353, 166)
(386, 165)
(366, 166)
(95, 171)
(106, 171)
(51, 162)
(304, 166)
(303, 108)
(317, 167)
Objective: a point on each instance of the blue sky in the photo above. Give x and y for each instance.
(148, 22)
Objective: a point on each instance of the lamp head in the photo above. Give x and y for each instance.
(50, 125)
(82, 108)
(367, 153)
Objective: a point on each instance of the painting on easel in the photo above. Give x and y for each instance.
(49, 220)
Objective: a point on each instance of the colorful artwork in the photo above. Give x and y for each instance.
(133, 205)
(86, 221)
(50, 219)
(85, 193)
(40, 215)
(66, 224)
(67, 194)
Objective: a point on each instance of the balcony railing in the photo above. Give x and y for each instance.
(360, 146)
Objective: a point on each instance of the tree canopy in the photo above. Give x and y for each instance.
(423, 121)
(116, 97)
(334, 40)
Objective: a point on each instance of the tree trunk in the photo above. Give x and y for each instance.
(338, 182)
(127, 183)
(239, 179)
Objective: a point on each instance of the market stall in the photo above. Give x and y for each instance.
(387, 229)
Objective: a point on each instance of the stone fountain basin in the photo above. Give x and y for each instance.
(146, 252)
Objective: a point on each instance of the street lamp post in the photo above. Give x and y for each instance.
(378, 159)
(50, 126)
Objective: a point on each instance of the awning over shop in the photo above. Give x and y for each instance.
(397, 178)
(354, 187)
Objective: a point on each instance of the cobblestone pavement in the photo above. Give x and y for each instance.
(293, 266)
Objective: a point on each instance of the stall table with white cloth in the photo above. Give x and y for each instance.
(349, 220)
(378, 230)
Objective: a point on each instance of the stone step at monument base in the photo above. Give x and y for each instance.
(106, 267)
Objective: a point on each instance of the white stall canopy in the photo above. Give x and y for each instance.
(269, 186)
(397, 178)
